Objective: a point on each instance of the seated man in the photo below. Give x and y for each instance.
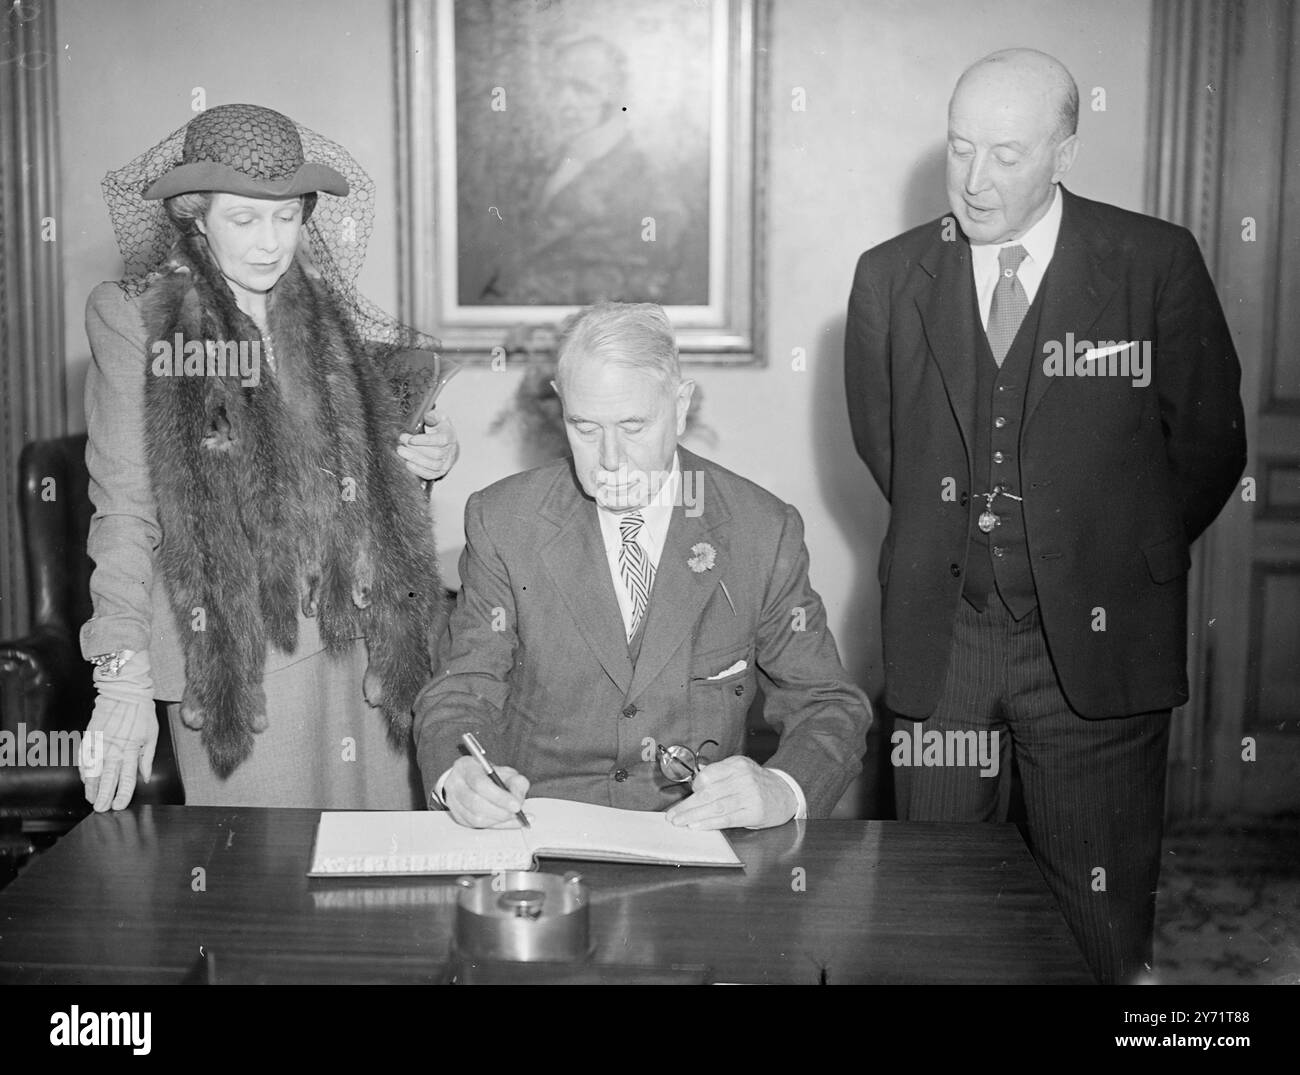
(626, 599)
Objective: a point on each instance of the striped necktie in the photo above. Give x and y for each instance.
(1009, 303)
(634, 566)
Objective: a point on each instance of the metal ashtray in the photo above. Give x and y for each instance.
(523, 915)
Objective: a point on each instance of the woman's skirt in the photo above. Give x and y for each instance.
(324, 747)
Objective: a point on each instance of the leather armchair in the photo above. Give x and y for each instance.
(45, 684)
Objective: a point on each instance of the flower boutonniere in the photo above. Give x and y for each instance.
(703, 557)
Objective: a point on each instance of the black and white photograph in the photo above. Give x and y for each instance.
(643, 493)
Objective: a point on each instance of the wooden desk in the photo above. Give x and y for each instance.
(147, 895)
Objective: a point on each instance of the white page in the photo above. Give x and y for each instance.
(412, 841)
(391, 842)
(561, 826)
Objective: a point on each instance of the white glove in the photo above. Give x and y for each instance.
(121, 736)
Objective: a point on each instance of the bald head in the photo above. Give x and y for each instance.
(1035, 75)
(1011, 139)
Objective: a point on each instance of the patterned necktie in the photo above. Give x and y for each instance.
(1009, 303)
(634, 566)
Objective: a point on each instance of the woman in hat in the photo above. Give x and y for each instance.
(264, 558)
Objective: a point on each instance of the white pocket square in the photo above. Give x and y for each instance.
(1094, 353)
(739, 666)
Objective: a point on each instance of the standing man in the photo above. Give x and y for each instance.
(1045, 389)
(629, 599)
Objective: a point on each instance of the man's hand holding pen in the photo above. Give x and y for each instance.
(479, 801)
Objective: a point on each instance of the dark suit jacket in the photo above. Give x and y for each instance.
(1117, 480)
(535, 659)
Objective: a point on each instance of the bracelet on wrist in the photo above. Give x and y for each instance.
(109, 665)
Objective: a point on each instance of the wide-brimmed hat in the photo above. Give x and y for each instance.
(229, 145)
(248, 150)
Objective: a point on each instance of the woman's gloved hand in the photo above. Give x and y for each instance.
(122, 735)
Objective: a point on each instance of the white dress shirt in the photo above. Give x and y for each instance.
(1039, 243)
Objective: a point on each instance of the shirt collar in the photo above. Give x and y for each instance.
(1039, 241)
(667, 495)
(657, 514)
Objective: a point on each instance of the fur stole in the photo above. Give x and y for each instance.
(280, 495)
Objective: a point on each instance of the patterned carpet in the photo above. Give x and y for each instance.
(1228, 907)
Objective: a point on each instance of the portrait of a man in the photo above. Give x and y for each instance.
(579, 177)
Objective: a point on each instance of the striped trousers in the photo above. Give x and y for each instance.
(1093, 789)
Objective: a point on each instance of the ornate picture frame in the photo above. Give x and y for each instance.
(557, 152)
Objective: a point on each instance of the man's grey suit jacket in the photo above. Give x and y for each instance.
(535, 660)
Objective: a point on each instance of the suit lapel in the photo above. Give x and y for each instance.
(680, 594)
(947, 318)
(575, 558)
(1078, 285)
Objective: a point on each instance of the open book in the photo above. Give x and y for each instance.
(398, 842)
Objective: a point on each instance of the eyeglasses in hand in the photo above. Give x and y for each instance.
(681, 765)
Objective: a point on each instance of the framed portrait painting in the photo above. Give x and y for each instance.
(556, 153)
